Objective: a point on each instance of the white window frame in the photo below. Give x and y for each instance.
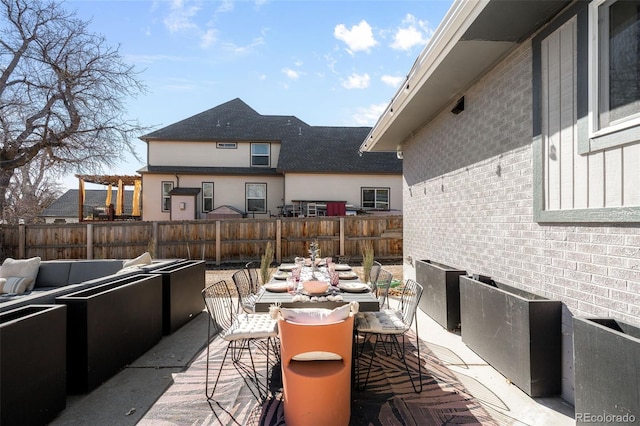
(376, 202)
(166, 198)
(250, 195)
(267, 155)
(205, 198)
(622, 131)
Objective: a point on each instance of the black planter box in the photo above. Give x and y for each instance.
(109, 326)
(607, 370)
(33, 379)
(441, 297)
(182, 285)
(516, 332)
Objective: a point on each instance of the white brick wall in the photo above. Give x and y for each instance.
(468, 203)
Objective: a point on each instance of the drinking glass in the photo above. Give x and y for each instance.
(334, 278)
(292, 285)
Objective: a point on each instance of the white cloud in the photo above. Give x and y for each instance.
(208, 38)
(262, 77)
(225, 6)
(292, 74)
(356, 81)
(179, 18)
(359, 37)
(413, 32)
(368, 116)
(391, 80)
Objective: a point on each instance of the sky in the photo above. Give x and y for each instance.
(327, 62)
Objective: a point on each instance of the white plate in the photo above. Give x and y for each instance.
(281, 275)
(342, 267)
(353, 287)
(287, 267)
(276, 287)
(347, 275)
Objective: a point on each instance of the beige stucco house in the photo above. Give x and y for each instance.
(519, 126)
(262, 165)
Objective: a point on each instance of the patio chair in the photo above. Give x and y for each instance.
(243, 332)
(380, 284)
(253, 272)
(246, 295)
(389, 328)
(316, 371)
(343, 260)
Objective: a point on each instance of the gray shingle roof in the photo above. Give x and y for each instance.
(67, 204)
(304, 148)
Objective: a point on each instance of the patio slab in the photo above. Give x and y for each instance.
(164, 385)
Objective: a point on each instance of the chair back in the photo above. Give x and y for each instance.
(383, 282)
(373, 274)
(220, 304)
(334, 338)
(409, 300)
(252, 269)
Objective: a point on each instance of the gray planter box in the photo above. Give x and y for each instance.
(516, 332)
(182, 285)
(441, 297)
(33, 380)
(109, 326)
(607, 370)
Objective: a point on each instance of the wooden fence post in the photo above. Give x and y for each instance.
(218, 243)
(154, 236)
(89, 240)
(279, 240)
(342, 236)
(22, 241)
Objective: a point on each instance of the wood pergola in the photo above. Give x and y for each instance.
(119, 181)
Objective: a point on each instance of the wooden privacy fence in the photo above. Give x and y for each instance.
(216, 241)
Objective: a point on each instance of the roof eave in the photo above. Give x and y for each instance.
(467, 43)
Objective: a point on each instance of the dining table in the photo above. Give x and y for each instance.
(349, 289)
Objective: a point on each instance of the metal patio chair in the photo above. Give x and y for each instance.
(389, 328)
(243, 333)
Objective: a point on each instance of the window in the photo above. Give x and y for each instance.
(207, 196)
(256, 194)
(375, 198)
(226, 145)
(615, 72)
(260, 154)
(166, 198)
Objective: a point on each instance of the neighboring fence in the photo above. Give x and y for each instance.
(216, 241)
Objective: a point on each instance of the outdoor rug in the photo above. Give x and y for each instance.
(388, 399)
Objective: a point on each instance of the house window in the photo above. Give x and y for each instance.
(207, 196)
(256, 194)
(166, 198)
(260, 153)
(615, 72)
(226, 145)
(375, 198)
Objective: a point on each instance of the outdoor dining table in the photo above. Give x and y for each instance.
(367, 300)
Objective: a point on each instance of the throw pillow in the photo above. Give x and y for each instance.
(316, 315)
(27, 268)
(15, 285)
(143, 259)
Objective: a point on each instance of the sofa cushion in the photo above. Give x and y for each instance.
(84, 270)
(143, 259)
(15, 285)
(53, 274)
(21, 268)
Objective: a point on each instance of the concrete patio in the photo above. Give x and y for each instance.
(129, 397)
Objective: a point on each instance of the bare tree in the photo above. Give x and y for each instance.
(62, 93)
(32, 189)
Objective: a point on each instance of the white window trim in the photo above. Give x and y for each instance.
(375, 201)
(212, 196)
(624, 132)
(268, 155)
(168, 196)
(247, 198)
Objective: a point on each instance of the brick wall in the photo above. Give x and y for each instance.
(468, 204)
